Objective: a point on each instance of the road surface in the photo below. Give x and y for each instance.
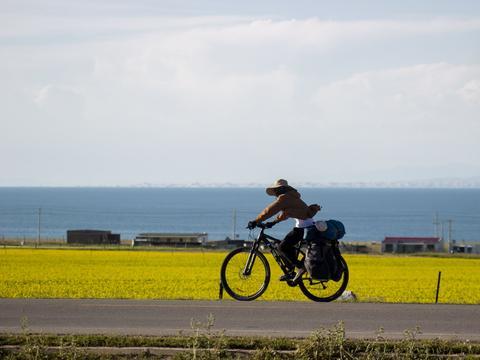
(290, 319)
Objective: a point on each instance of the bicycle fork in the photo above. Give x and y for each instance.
(247, 270)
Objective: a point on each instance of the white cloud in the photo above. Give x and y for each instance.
(414, 115)
(53, 95)
(240, 92)
(471, 91)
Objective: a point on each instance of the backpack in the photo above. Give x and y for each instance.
(335, 230)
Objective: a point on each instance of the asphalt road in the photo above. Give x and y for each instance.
(292, 319)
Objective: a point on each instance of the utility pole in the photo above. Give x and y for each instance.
(234, 224)
(442, 238)
(39, 225)
(436, 223)
(449, 234)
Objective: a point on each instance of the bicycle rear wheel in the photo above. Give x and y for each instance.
(324, 291)
(245, 275)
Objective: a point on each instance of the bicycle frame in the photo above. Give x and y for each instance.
(269, 242)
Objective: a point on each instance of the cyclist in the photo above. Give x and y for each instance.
(288, 204)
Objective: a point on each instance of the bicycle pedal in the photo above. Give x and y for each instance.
(291, 283)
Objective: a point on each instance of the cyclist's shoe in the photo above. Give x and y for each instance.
(298, 275)
(287, 277)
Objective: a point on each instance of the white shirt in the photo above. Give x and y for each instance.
(299, 223)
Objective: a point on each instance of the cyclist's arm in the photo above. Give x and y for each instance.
(313, 209)
(272, 209)
(282, 216)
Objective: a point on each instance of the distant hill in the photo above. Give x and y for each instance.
(436, 183)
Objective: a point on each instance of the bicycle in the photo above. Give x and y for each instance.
(245, 272)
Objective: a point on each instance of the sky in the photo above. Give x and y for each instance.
(128, 93)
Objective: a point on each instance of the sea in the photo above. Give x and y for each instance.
(368, 214)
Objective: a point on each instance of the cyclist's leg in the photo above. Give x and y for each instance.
(287, 246)
(311, 235)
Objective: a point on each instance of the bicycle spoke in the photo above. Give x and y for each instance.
(324, 291)
(242, 284)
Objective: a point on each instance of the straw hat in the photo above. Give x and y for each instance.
(277, 184)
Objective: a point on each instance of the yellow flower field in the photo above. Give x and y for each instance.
(40, 273)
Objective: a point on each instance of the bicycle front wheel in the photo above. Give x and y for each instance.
(245, 274)
(324, 291)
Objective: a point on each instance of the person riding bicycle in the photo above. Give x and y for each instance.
(288, 204)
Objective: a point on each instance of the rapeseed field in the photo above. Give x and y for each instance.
(41, 273)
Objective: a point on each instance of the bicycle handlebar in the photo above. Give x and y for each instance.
(264, 226)
(270, 224)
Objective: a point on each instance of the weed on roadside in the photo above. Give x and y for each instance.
(325, 344)
(205, 343)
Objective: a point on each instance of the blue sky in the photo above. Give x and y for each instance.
(179, 92)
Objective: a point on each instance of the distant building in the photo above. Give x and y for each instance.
(171, 239)
(92, 237)
(463, 249)
(412, 244)
(473, 248)
(227, 243)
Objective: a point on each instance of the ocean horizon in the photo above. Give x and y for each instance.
(369, 214)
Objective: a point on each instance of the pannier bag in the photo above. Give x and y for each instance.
(314, 262)
(321, 260)
(322, 263)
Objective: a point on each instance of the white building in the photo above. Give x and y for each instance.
(171, 239)
(412, 244)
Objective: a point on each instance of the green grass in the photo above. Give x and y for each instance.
(204, 343)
